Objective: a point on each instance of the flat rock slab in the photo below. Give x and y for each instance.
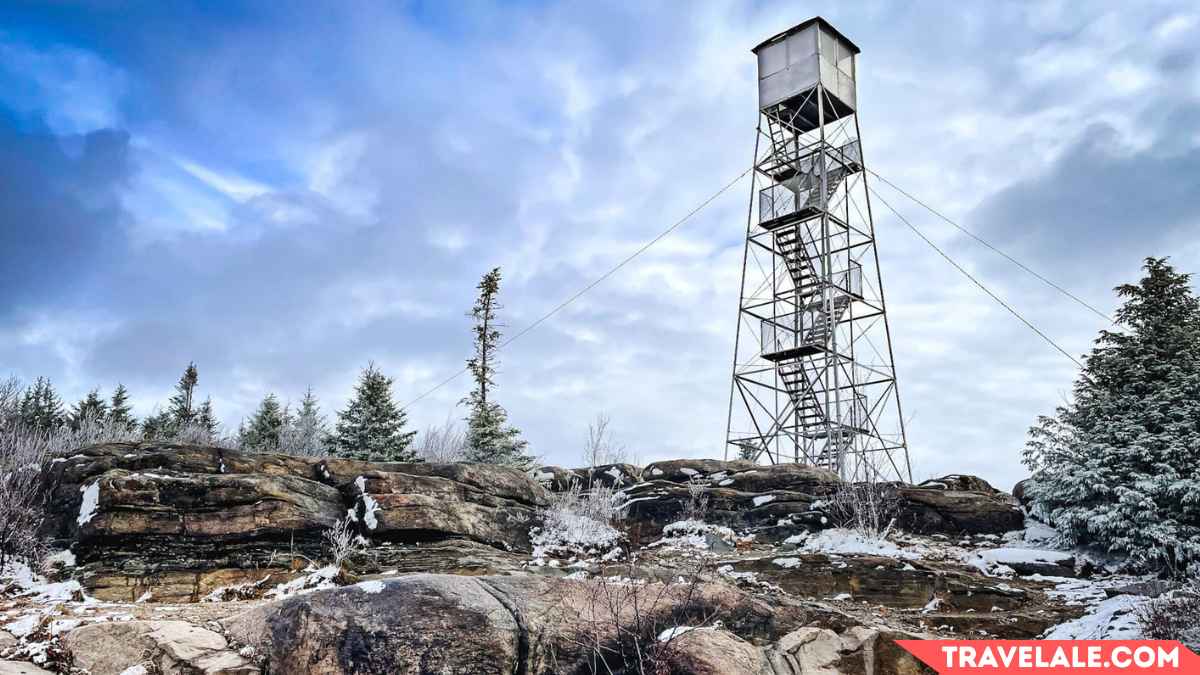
(21, 668)
(171, 647)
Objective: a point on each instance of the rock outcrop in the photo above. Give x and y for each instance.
(177, 523)
(209, 554)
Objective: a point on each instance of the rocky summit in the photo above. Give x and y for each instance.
(186, 559)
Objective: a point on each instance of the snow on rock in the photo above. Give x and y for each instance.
(371, 587)
(370, 506)
(1110, 619)
(318, 580)
(672, 633)
(694, 534)
(763, 499)
(90, 503)
(38, 589)
(24, 625)
(656, 471)
(840, 541)
(688, 472)
(64, 558)
(135, 670)
(1011, 556)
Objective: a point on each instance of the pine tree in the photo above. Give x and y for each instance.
(119, 410)
(206, 418)
(41, 408)
(1116, 466)
(307, 435)
(91, 408)
(158, 426)
(181, 409)
(490, 439)
(262, 433)
(372, 425)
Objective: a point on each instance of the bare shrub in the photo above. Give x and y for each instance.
(443, 444)
(343, 542)
(194, 433)
(869, 508)
(626, 625)
(601, 448)
(579, 523)
(1175, 616)
(10, 400)
(697, 506)
(23, 454)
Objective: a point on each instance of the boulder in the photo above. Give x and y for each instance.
(167, 647)
(937, 510)
(405, 507)
(961, 483)
(857, 651)
(416, 624)
(558, 479)
(656, 504)
(1019, 493)
(714, 652)
(222, 507)
(744, 475)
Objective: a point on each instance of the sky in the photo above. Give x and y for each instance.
(284, 192)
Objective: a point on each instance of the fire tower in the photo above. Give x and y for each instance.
(814, 380)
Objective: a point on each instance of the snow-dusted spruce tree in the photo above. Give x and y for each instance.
(119, 410)
(262, 433)
(1117, 466)
(372, 425)
(490, 438)
(307, 435)
(41, 409)
(181, 410)
(89, 408)
(206, 418)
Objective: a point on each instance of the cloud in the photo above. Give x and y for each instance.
(282, 196)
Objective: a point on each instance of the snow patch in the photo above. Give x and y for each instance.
(370, 506)
(693, 534)
(135, 670)
(840, 541)
(372, 587)
(688, 472)
(90, 503)
(64, 558)
(656, 471)
(316, 581)
(1110, 619)
(763, 499)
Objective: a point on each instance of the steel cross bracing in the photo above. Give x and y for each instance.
(814, 379)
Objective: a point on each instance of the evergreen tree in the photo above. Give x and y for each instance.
(307, 434)
(119, 410)
(158, 426)
(41, 408)
(372, 425)
(206, 419)
(1116, 466)
(91, 408)
(490, 439)
(263, 431)
(181, 409)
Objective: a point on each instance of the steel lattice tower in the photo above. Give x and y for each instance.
(814, 380)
